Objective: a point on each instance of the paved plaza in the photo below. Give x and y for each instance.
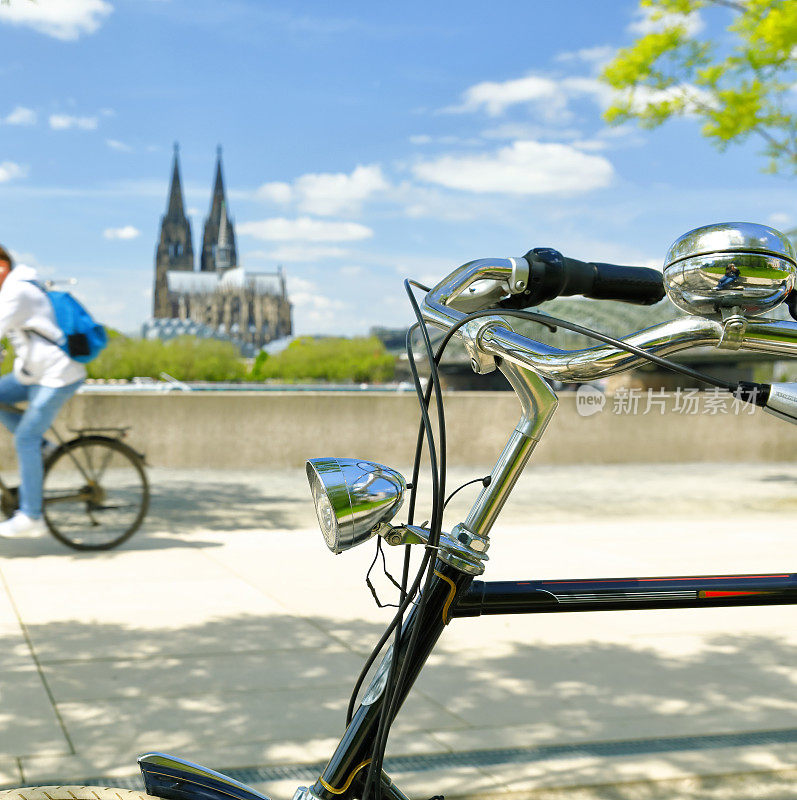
(225, 632)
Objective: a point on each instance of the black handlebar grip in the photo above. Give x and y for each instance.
(641, 285)
(553, 275)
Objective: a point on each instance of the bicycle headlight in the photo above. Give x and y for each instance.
(352, 497)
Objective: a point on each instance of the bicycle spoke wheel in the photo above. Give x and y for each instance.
(95, 493)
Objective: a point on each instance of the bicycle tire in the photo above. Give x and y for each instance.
(75, 510)
(73, 793)
(9, 501)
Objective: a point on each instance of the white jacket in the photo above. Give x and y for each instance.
(25, 308)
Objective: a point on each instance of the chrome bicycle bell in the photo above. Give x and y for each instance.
(730, 267)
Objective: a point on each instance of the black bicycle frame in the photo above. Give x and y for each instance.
(619, 594)
(453, 593)
(456, 595)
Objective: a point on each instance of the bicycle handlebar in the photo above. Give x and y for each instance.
(553, 275)
(481, 284)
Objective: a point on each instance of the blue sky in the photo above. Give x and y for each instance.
(363, 142)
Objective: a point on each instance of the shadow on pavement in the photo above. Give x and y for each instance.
(249, 681)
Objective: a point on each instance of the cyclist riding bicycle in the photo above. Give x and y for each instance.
(44, 376)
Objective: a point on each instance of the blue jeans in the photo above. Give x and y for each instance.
(28, 428)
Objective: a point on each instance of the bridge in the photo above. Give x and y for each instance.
(606, 316)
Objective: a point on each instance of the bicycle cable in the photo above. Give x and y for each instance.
(395, 681)
(424, 428)
(438, 478)
(485, 481)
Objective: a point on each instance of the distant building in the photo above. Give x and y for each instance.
(220, 299)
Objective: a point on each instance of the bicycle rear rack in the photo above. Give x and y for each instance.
(119, 430)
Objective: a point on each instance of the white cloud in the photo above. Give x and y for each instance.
(520, 130)
(9, 171)
(304, 229)
(126, 232)
(525, 168)
(591, 55)
(693, 96)
(61, 19)
(115, 144)
(62, 122)
(328, 193)
(312, 309)
(21, 116)
(781, 220)
(591, 87)
(591, 145)
(276, 192)
(644, 22)
(496, 97)
(423, 139)
(551, 95)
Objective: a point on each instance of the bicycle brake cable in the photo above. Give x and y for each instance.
(543, 319)
(424, 428)
(394, 681)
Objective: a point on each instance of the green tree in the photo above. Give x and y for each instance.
(361, 359)
(185, 358)
(739, 85)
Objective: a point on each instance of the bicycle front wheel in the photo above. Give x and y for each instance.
(73, 793)
(95, 493)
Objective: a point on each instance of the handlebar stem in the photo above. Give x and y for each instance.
(538, 403)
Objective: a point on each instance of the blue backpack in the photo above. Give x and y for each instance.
(84, 338)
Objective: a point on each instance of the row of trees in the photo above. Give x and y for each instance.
(361, 360)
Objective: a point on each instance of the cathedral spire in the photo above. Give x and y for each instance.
(213, 227)
(218, 201)
(223, 249)
(175, 209)
(174, 250)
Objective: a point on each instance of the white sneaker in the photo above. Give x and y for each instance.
(21, 526)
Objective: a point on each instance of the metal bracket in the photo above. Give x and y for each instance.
(462, 549)
(402, 534)
(473, 334)
(481, 363)
(520, 275)
(734, 326)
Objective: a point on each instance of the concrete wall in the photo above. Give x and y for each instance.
(275, 429)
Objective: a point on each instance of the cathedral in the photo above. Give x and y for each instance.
(220, 299)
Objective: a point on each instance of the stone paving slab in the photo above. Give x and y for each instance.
(227, 633)
(28, 721)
